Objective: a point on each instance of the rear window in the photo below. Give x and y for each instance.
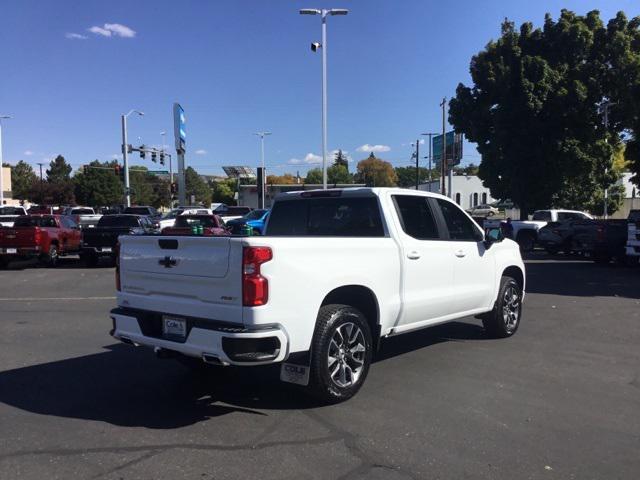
(326, 217)
(542, 216)
(187, 221)
(82, 211)
(236, 211)
(118, 221)
(140, 210)
(35, 222)
(11, 211)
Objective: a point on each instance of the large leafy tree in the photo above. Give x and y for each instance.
(533, 111)
(314, 176)
(22, 179)
(197, 187)
(407, 176)
(148, 189)
(341, 159)
(98, 184)
(375, 172)
(224, 191)
(59, 170)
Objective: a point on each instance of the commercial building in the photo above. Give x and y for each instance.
(6, 186)
(467, 190)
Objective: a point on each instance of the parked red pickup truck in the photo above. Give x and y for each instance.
(207, 225)
(44, 236)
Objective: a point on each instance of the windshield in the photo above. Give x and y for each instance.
(140, 210)
(255, 215)
(118, 221)
(82, 211)
(11, 211)
(189, 221)
(173, 213)
(542, 216)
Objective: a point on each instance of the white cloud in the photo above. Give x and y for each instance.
(373, 148)
(75, 36)
(113, 30)
(310, 158)
(28, 153)
(200, 152)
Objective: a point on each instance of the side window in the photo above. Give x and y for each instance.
(484, 197)
(416, 217)
(459, 225)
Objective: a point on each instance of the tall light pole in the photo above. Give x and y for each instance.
(41, 184)
(443, 160)
(163, 134)
(430, 134)
(125, 156)
(324, 13)
(2, 117)
(264, 177)
(604, 111)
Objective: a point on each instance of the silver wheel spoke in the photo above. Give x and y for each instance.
(346, 355)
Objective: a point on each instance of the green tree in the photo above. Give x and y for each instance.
(98, 185)
(197, 186)
(407, 176)
(375, 172)
(148, 189)
(314, 177)
(286, 179)
(341, 159)
(532, 111)
(22, 179)
(59, 170)
(338, 174)
(224, 191)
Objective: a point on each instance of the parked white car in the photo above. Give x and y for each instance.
(525, 232)
(8, 215)
(169, 219)
(633, 234)
(336, 272)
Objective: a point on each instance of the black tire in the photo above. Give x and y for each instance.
(526, 240)
(50, 259)
(89, 259)
(333, 323)
(498, 323)
(601, 258)
(4, 263)
(552, 250)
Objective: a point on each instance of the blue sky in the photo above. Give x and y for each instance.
(241, 66)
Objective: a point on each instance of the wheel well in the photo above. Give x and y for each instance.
(361, 298)
(515, 273)
(54, 242)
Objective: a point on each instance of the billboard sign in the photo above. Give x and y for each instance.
(179, 127)
(454, 149)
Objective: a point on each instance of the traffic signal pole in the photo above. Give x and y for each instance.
(125, 162)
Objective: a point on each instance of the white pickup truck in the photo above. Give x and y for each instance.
(525, 232)
(9, 214)
(335, 272)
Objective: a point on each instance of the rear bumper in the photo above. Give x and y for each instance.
(21, 251)
(214, 342)
(98, 250)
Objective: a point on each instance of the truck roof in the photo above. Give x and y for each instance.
(356, 192)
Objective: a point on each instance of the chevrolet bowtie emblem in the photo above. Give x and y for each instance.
(168, 262)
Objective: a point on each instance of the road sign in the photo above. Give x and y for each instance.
(454, 149)
(158, 172)
(179, 127)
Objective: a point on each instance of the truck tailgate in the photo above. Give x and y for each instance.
(190, 276)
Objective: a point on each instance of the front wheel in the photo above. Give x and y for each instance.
(51, 258)
(503, 321)
(341, 353)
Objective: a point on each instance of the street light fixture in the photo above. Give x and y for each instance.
(2, 117)
(125, 155)
(264, 179)
(324, 13)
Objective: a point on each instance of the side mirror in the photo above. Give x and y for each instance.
(493, 235)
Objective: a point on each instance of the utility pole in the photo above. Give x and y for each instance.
(443, 160)
(41, 194)
(2, 117)
(264, 174)
(417, 163)
(125, 156)
(604, 110)
(429, 157)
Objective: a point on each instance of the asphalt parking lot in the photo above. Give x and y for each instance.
(560, 400)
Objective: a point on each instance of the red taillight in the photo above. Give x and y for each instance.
(255, 288)
(117, 252)
(37, 235)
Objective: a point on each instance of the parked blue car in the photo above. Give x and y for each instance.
(255, 219)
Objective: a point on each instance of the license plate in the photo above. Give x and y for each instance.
(173, 327)
(12, 250)
(106, 249)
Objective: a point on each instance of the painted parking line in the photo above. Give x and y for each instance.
(54, 299)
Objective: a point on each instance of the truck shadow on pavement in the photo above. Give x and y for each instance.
(582, 278)
(128, 386)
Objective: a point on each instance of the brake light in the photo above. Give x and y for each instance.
(255, 288)
(117, 252)
(37, 235)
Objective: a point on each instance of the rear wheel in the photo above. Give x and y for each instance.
(51, 258)
(4, 263)
(503, 321)
(341, 353)
(89, 259)
(601, 258)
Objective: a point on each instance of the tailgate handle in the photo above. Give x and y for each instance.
(168, 244)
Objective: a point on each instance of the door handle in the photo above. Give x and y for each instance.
(413, 255)
(460, 253)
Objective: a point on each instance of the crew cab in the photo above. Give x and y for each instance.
(207, 225)
(9, 214)
(44, 236)
(336, 272)
(101, 240)
(525, 232)
(85, 217)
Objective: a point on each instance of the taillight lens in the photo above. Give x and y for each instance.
(255, 288)
(117, 252)
(37, 235)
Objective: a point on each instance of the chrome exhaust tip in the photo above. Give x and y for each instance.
(211, 359)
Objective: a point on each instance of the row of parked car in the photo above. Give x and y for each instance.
(570, 231)
(79, 230)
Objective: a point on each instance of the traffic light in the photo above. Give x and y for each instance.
(153, 156)
(142, 152)
(116, 169)
(174, 188)
(161, 158)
